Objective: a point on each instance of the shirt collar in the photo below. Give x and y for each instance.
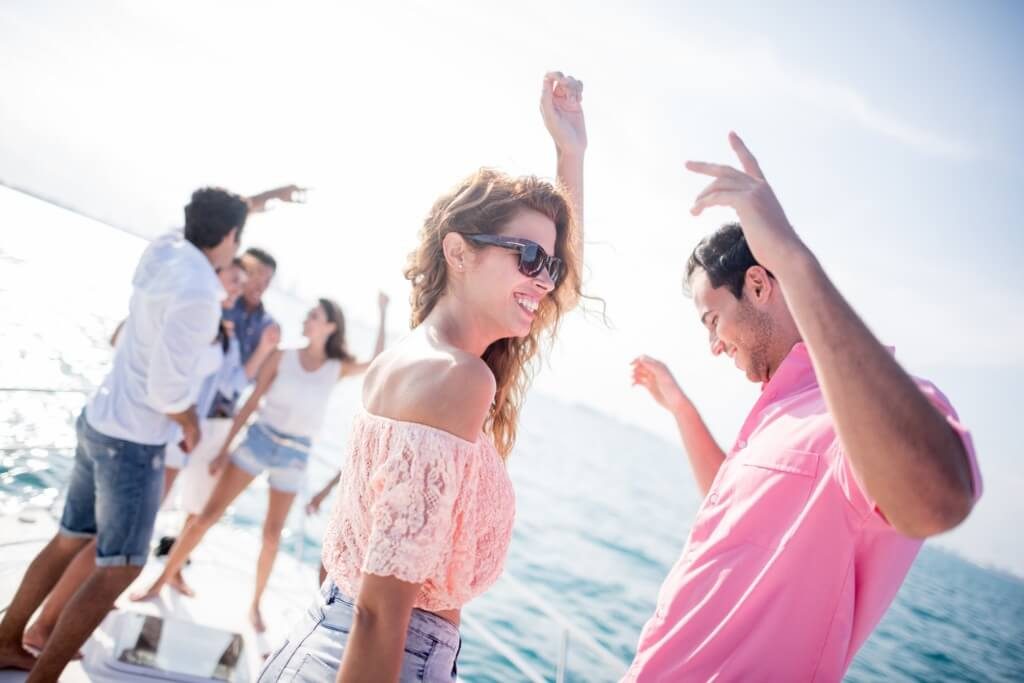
(794, 374)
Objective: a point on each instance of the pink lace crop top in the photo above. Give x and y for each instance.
(421, 505)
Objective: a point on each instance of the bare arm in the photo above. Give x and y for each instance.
(562, 110)
(457, 400)
(352, 368)
(188, 421)
(907, 457)
(286, 193)
(704, 453)
(263, 381)
(269, 339)
(375, 645)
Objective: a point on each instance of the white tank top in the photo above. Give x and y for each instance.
(296, 402)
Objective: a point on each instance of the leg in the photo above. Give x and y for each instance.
(80, 569)
(273, 525)
(42, 575)
(84, 613)
(232, 482)
(177, 582)
(78, 524)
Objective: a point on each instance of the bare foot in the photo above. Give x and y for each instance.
(153, 592)
(35, 637)
(177, 582)
(16, 657)
(256, 619)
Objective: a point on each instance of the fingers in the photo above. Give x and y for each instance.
(645, 369)
(721, 198)
(646, 361)
(729, 184)
(715, 170)
(747, 160)
(557, 84)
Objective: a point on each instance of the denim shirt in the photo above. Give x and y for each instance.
(248, 327)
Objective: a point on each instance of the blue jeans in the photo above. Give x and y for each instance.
(114, 495)
(313, 651)
(284, 455)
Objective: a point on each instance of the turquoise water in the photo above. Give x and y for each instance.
(603, 508)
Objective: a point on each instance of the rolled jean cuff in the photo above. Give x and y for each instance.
(121, 561)
(64, 531)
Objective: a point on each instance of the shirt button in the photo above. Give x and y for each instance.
(713, 498)
(741, 444)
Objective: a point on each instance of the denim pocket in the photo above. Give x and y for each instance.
(314, 670)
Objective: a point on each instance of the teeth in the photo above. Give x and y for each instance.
(528, 304)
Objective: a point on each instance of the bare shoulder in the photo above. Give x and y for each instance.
(440, 387)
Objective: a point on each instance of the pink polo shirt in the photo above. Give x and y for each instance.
(789, 565)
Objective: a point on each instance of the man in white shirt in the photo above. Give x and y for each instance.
(117, 477)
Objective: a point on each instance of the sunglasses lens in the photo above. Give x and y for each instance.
(530, 260)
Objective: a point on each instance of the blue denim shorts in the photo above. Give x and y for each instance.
(316, 644)
(114, 495)
(283, 455)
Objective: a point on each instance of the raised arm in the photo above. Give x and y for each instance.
(561, 106)
(703, 452)
(352, 368)
(907, 457)
(269, 339)
(264, 379)
(286, 193)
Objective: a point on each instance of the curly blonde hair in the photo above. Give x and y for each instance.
(484, 203)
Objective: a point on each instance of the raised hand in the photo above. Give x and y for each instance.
(285, 193)
(771, 238)
(561, 106)
(270, 337)
(655, 376)
(382, 301)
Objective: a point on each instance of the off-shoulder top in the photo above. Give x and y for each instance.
(422, 505)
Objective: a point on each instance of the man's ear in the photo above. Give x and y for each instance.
(759, 284)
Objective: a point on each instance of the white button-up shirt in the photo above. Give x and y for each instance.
(172, 319)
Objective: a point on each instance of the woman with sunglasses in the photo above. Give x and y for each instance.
(425, 507)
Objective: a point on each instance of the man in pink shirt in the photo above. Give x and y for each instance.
(844, 465)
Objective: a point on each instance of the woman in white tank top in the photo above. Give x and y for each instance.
(294, 385)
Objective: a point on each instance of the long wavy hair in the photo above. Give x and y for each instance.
(337, 344)
(484, 203)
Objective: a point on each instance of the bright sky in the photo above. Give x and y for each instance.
(890, 132)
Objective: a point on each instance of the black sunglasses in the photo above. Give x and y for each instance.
(532, 257)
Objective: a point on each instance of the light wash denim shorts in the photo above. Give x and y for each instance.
(316, 644)
(114, 495)
(283, 455)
